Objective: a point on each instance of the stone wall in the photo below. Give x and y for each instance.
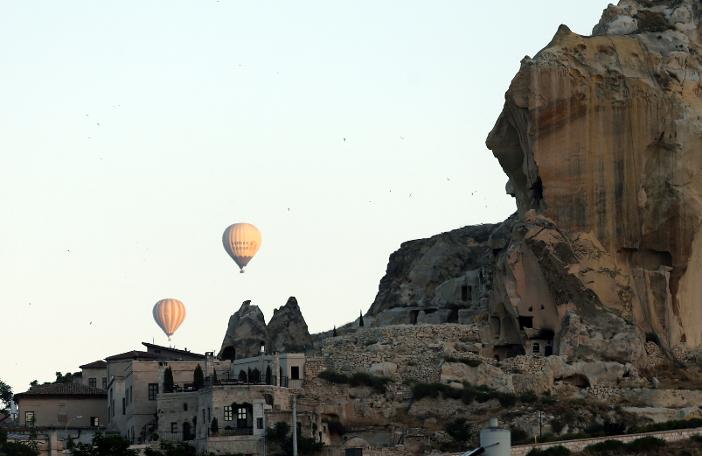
(579, 445)
(403, 352)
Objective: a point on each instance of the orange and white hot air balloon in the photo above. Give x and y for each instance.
(241, 241)
(169, 314)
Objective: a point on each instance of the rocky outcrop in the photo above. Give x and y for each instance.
(600, 139)
(602, 135)
(443, 279)
(246, 333)
(287, 330)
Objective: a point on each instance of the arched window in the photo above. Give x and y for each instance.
(269, 376)
(243, 377)
(255, 376)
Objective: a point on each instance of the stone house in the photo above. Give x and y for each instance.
(94, 374)
(136, 379)
(232, 414)
(62, 405)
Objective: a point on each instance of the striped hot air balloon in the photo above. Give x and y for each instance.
(169, 314)
(241, 241)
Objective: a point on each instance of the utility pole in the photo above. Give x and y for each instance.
(294, 424)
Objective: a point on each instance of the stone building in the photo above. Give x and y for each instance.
(62, 405)
(94, 374)
(232, 414)
(136, 379)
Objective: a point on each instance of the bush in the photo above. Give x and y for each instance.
(528, 397)
(551, 451)
(334, 377)
(379, 384)
(458, 430)
(506, 399)
(645, 444)
(472, 362)
(668, 425)
(519, 436)
(608, 446)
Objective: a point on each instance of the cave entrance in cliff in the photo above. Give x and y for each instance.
(578, 380)
(452, 316)
(414, 314)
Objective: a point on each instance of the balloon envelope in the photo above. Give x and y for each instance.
(169, 314)
(241, 241)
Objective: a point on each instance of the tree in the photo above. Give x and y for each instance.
(360, 320)
(198, 377)
(334, 331)
(214, 427)
(5, 395)
(168, 380)
(215, 380)
(33, 383)
(105, 445)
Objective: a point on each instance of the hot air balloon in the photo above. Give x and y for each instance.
(169, 314)
(241, 241)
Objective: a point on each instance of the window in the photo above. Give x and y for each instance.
(295, 373)
(228, 413)
(92, 382)
(185, 406)
(124, 406)
(104, 383)
(29, 418)
(536, 348)
(465, 293)
(209, 416)
(95, 421)
(153, 391)
(259, 423)
(204, 419)
(174, 427)
(241, 413)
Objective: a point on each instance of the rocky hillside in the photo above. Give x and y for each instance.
(600, 138)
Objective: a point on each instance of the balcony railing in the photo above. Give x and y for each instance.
(232, 432)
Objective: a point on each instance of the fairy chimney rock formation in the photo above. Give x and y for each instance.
(246, 333)
(287, 329)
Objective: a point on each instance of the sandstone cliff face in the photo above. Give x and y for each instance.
(287, 329)
(601, 139)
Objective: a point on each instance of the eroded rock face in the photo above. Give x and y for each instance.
(287, 329)
(602, 135)
(600, 138)
(246, 333)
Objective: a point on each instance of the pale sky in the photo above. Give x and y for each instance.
(132, 133)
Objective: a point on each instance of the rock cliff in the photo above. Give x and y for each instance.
(600, 138)
(287, 330)
(247, 331)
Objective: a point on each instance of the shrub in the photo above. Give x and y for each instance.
(557, 425)
(469, 362)
(379, 384)
(551, 451)
(528, 397)
(506, 399)
(645, 444)
(613, 446)
(519, 436)
(333, 377)
(458, 430)
(668, 425)
(422, 390)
